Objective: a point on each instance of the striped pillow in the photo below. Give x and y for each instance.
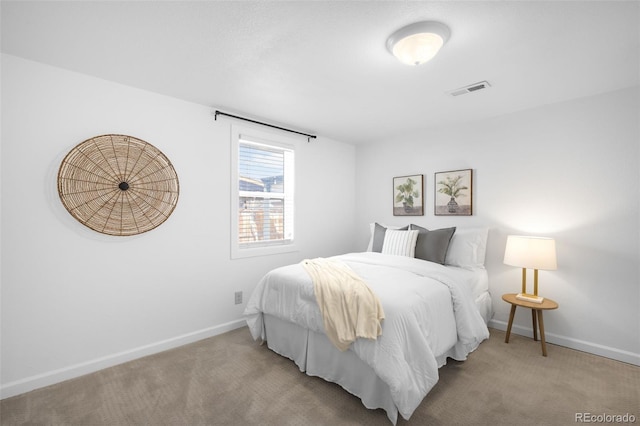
(400, 243)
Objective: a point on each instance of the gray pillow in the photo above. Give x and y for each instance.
(378, 236)
(432, 245)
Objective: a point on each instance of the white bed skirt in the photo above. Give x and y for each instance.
(483, 302)
(314, 354)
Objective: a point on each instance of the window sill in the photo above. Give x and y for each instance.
(241, 253)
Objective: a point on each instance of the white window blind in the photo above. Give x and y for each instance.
(264, 195)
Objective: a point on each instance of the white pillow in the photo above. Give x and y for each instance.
(400, 243)
(467, 248)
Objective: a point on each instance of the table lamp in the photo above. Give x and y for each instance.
(530, 253)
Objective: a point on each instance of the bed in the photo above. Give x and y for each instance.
(433, 310)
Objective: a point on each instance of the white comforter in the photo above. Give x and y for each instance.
(412, 292)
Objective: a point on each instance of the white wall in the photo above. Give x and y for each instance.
(568, 171)
(74, 300)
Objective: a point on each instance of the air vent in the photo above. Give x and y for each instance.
(469, 89)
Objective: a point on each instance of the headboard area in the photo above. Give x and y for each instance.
(462, 247)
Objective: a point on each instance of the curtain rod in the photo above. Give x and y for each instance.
(309, 137)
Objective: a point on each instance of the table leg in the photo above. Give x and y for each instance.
(541, 322)
(535, 325)
(511, 315)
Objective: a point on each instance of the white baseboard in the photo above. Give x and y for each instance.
(56, 376)
(569, 342)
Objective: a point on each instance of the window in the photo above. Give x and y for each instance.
(262, 194)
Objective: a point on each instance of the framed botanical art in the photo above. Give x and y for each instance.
(453, 193)
(408, 195)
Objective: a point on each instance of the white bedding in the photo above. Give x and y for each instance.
(430, 315)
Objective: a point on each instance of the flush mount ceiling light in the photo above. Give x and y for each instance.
(418, 43)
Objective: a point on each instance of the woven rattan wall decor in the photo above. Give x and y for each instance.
(118, 185)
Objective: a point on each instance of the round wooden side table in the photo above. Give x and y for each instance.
(536, 309)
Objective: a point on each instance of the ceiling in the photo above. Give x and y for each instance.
(322, 66)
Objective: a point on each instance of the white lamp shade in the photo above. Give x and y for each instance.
(531, 252)
(418, 43)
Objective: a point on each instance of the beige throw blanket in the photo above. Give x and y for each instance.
(349, 308)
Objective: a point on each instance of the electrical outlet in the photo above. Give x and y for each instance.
(238, 297)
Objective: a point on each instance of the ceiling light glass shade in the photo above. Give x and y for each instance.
(418, 43)
(531, 252)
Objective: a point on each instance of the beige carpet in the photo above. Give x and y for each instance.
(230, 380)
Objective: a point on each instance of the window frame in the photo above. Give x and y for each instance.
(241, 250)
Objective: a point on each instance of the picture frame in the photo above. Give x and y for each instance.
(453, 194)
(408, 195)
